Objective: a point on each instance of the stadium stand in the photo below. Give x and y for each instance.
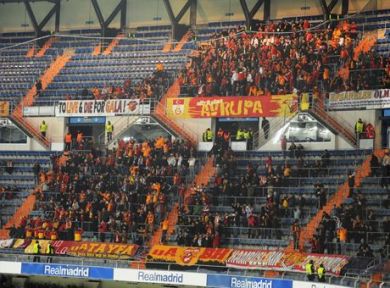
(164, 192)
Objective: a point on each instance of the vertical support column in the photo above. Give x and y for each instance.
(193, 13)
(267, 10)
(344, 7)
(58, 17)
(124, 14)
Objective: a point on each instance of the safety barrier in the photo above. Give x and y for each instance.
(166, 277)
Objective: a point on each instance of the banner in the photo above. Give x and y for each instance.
(95, 249)
(364, 99)
(226, 281)
(4, 108)
(42, 243)
(21, 243)
(232, 106)
(114, 107)
(161, 277)
(284, 261)
(188, 256)
(6, 243)
(65, 270)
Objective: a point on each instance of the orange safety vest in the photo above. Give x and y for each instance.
(68, 138)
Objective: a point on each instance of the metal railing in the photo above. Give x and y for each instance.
(350, 277)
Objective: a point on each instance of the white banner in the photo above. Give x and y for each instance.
(162, 277)
(368, 99)
(39, 111)
(302, 284)
(6, 243)
(114, 107)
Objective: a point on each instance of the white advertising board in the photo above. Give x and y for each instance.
(162, 277)
(302, 284)
(7, 267)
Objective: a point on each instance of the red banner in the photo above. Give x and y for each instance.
(284, 261)
(188, 255)
(232, 106)
(94, 249)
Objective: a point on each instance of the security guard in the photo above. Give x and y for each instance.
(321, 273)
(207, 135)
(359, 126)
(36, 251)
(240, 135)
(248, 136)
(310, 271)
(109, 130)
(43, 128)
(49, 251)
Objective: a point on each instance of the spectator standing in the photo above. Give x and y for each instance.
(79, 140)
(265, 127)
(109, 130)
(36, 171)
(43, 129)
(296, 231)
(38, 87)
(283, 143)
(68, 141)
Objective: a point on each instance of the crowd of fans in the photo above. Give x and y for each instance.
(284, 57)
(200, 226)
(354, 223)
(121, 195)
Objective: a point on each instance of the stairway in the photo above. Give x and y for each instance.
(46, 78)
(203, 177)
(31, 52)
(160, 115)
(182, 41)
(171, 125)
(23, 211)
(167, 47)
(113, 44)
(337, 199)
(335, 125)
(120, 126)
(365, 44)
(97, 50)
(45, 46)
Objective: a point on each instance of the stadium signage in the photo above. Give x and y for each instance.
(95, 249)
(160, 276)
(114, 107)
(284, 261)
(233, 106)
(71, 271)
(246, 282)
(302, 284)
(363, 99)
(188, 256)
